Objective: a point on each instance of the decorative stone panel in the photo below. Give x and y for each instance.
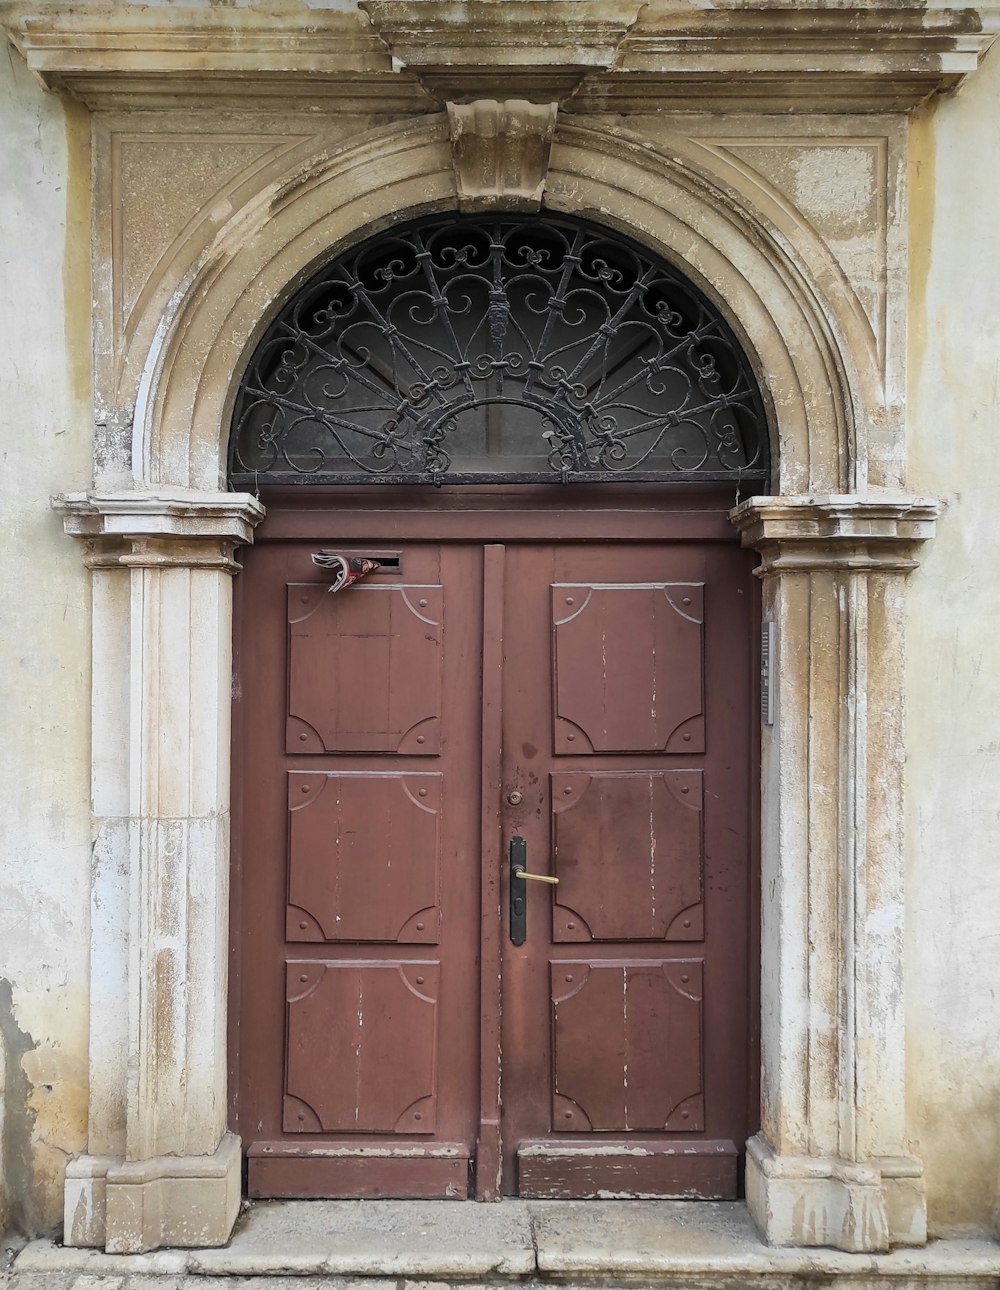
(842, 189)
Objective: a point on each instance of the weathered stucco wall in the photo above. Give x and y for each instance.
(953, 945)
(45, 446)
(953, 937)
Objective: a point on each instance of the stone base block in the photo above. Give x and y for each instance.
(133, 1206)
(85, 1200)
(804, 1200)
(905, 1200)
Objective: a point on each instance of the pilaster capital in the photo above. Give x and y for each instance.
(165, 528)
(872, 532)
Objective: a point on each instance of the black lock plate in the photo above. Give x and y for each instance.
(518, 894)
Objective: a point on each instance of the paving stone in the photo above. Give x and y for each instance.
(709, 1244)
(630, 1237)
(392, 1238)
(41, 1280)
(436, 1245)
(49, 1257)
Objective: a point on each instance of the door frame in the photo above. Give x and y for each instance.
(506, 513)
(833, 1163)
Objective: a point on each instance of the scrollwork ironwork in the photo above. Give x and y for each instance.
(497, 348)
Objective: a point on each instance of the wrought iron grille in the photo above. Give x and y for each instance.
(477, 349)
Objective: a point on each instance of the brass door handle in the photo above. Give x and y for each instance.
(517, 894)
(535, 877)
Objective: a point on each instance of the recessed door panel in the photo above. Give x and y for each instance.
(364, 669)
(349, 1026)
(627, 1040)
(628, 850)
(363, 854)
(628, 668)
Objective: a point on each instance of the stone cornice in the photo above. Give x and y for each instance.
(424, 34)
(538, 49)
(163, 529)
(120, 55)
(870, 533)
(413, 55)
(860, 57)
(102, 36)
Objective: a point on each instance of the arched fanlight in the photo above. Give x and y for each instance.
(499, 348)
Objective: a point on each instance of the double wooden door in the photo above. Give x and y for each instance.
(411, 1016)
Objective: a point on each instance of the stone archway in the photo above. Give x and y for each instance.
(670, 203)
(831, 1164)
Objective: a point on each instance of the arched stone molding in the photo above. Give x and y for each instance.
(798, 335)
(769, 269)
(235, 284)
(831, 1165)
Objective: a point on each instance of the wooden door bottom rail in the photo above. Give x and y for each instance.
(650, 1170)
(410, 1171)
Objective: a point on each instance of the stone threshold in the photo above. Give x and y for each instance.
(669, 1243)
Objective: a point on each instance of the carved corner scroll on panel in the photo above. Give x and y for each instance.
(501, 153)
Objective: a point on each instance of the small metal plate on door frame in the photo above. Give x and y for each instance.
(768, 639)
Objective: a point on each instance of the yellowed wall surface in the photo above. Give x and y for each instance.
(953, 763)
(45, 447)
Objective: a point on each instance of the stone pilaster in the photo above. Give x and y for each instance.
(162, 1170)
(831, 1165)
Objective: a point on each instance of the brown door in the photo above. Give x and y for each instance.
(412, 1020)
(625, 704)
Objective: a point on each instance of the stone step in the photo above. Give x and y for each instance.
(433, 1245)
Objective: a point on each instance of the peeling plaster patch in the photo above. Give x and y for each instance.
(17, 1124)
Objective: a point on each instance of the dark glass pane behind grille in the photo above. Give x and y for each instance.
(497, 349)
